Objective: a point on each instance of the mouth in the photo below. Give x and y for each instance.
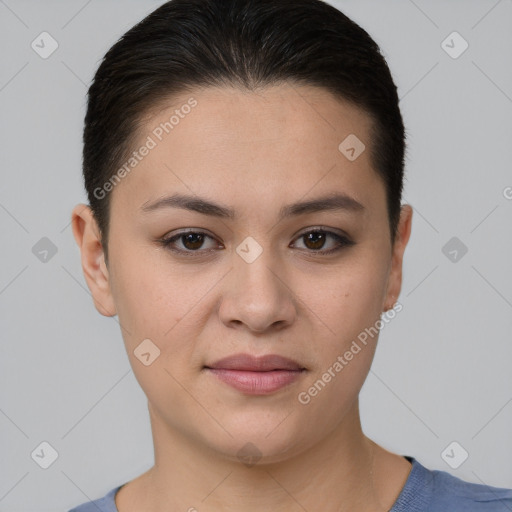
(256, 375)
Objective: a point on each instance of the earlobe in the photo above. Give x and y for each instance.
(88, 238)
(402, 238)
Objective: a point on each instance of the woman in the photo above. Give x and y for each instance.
(243, 162)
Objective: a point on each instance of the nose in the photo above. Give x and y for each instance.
(258, 295)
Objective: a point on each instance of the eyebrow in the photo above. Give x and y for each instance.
(204, 206)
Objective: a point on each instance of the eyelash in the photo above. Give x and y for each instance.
(342, 242)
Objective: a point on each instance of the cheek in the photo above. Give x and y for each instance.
(350, 297)
(351, 308)
(154, 304)
(163, 302)
(149, 300)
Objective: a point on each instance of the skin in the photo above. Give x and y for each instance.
(253, 152)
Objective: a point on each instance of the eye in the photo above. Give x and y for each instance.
(315, 239)
(191, 241)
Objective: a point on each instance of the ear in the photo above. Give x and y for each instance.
(88, 238)
(402, 237)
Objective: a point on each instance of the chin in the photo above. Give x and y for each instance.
(265, 443)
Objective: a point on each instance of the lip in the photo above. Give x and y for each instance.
(251, 363)
(256, 375)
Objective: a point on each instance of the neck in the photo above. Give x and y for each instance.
(334, 474)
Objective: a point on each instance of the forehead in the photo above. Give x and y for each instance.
(281, 141)
(279, 113)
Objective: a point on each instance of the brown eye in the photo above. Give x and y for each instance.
(315, 240)
(188, 243)
(192, 241)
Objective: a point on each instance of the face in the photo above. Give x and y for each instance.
(282, 247)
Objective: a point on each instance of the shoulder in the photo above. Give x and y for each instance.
(468, 496)
(105, 504)
(435, 491)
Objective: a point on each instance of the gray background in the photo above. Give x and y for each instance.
(442, 368)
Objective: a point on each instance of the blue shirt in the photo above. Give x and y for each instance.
(424, 491)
